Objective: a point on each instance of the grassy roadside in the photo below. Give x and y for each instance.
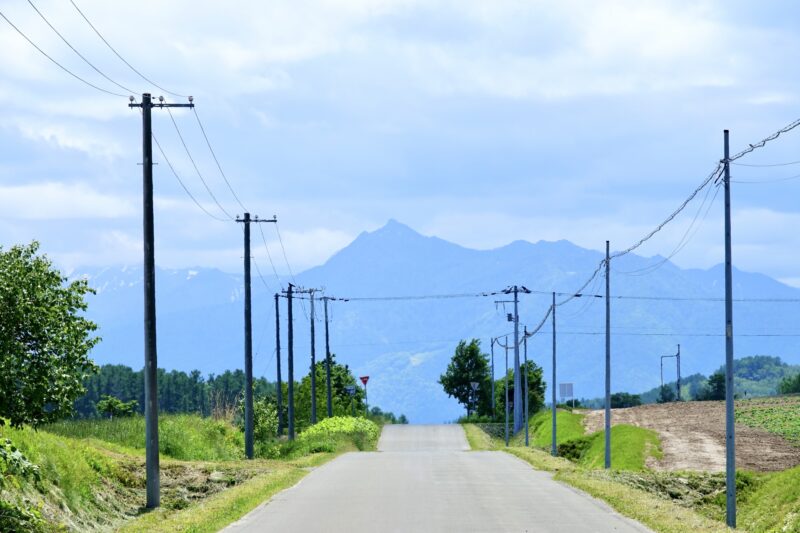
(90, 477)
(662, 516)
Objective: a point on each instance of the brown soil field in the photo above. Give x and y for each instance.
(693, 437)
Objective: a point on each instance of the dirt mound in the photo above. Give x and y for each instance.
(693, 437)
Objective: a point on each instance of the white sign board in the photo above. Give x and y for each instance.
(565, 390)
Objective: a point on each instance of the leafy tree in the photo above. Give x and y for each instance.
(714, 388)
(44, 338)
(536, 390)
(468, 366)
(790, 385)
(265, 418)
(342, 403)
(624, 399)
(402, 420)
(115, 407)
(666, 394)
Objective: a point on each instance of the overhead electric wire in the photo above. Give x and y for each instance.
(769, 180)
(763, 165)
(103, 74)
(214, 155)
(199, 174)
(261, 277)
(148, 80)
(288, 266)
(183, 185)
(59, 65)
(269, 255)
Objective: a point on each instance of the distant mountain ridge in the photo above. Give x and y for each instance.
(405, 344)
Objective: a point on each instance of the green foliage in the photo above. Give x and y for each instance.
(714, 389)
(185, 437)
(178, 392)
(666, 394)
(265, 425)
(790, 385)
(112, 406)
(774, 505)
(630, 448)
(624, 399)
(569, 426)
(402, 420)
(14, 464)
(468, 365)
(776, 415)
(575, 449)
(342, 403)
(16, 518)
(44, 339)
(536, 390)
(361, 430)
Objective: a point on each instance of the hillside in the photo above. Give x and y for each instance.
(404, 345)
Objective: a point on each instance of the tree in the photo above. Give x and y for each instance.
(536, 390)
(115, 407)
(468, 366)
(402, 420)
(714, 389)
(625, 399)
(666, 394)
(790, 385)
(44, 338)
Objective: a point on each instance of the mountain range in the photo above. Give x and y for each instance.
(404, 343)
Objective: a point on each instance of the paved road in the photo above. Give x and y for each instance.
(424, 479)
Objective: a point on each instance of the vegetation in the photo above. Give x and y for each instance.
(469, 366)
(666, 394)
(790, 385)
(776, 415)
(569, 426)
(44, 339)
(536, 390)
(115, 407)
(714, 388)
(624, 399)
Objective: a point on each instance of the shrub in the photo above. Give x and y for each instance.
(364, 433)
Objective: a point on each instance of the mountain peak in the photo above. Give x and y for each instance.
(394, 228)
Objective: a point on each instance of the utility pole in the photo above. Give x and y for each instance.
(313, 362)
(506, 387)
(553, 446)
(290, 378)
(525, 379)
(248, 335)
(517, 376)
(328, 359)
(730, 436)
(678, 395)
(492, 344)
(608, 357)
(152, 466)
(278, 362)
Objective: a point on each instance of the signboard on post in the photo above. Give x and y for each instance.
(565, 391)
(364, 380)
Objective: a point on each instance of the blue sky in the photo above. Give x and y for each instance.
(479, 122)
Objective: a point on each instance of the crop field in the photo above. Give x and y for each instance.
(778, 415)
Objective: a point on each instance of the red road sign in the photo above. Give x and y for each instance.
(364, 380)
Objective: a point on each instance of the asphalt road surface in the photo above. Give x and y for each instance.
(423, 478)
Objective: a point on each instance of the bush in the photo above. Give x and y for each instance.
(574, 449)
(364, 433)
(790, 385)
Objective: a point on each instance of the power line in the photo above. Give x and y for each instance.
(760, 144)
(269, 256)
(189, 154)
(59, 65)
(288, 266)
(767, 164)
(148, 80)
(183, 185)
(76, 51)
(769, 180)
(214, 155)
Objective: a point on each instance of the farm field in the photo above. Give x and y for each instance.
(693, 433)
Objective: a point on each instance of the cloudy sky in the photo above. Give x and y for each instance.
(479, 122)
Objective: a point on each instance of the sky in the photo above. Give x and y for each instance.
(478, 122)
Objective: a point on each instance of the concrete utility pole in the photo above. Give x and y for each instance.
(517, 376)
(553, 446)
(278, 362)
(328, 360)
(678, 385)
(730, 436)
(313, 362)
(492, 345)
(525, 379)
(506, 384)
(290, 382)
(608, 357)
(248, 335)
(152, 466)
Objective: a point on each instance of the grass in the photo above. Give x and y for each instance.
(184, 437)
(92, 472)
(631, 446)
(569, 426)
(775, 504)
(779, 415)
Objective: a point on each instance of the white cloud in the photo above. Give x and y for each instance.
(53, 201)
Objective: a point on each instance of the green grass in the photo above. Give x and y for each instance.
(774, 505)
(630, 448)
(569, 426)
(184, 437)
(779, 415)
